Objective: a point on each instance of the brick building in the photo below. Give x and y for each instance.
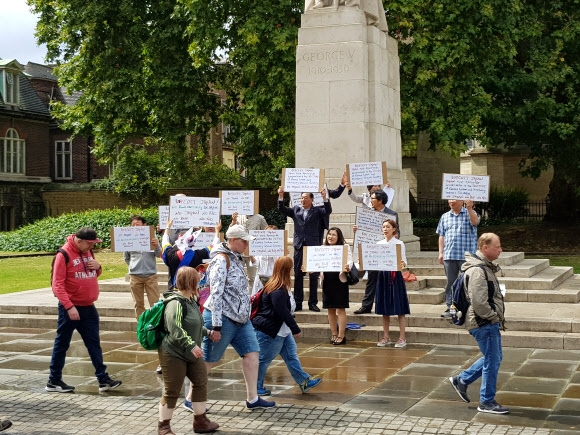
(34, 150)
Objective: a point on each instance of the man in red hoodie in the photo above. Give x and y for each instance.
(74, 283)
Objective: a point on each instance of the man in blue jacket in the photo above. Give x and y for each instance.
(307, 220)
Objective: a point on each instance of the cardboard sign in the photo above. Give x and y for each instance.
(379, 257)
(371, 220)
(324, 258)
(242, 201)
(204, 239)
(367, 174)
(189, 211)
(268, 243)
(302, 179)
(163, 215)
(295, 199)
(362, 236)
(462, 187)
(127, 239)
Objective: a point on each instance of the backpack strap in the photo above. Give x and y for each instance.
(66, 260)
(227, 257)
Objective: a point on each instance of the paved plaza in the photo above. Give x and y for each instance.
(365, 390)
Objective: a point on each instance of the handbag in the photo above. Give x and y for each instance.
(352, 276)
(408, 276)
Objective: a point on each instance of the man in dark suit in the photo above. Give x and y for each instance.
(306, 233)
(378, 200)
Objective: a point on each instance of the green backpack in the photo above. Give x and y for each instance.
(151, 324)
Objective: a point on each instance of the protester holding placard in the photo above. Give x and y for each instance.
(182, 253)
(378, 199)
(334, 194)
(335, 291)
(264, 265)
(143, 271)
(306, 233)
(276, 328)
(392, 297)
(457, 231)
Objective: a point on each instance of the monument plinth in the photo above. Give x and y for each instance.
(348, 103)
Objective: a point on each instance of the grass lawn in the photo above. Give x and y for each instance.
(28, 273)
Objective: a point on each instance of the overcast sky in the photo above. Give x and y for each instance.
(17, 40)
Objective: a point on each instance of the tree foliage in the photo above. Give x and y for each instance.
(504, 72)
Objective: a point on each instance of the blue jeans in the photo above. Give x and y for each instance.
(452, 270)
(488, 339)
(240, 336)
(88, 328)
(270, 348)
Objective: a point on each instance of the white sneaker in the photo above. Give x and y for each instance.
(384, 342)
(401, 343)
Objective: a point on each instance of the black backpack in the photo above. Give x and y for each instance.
(459, 300)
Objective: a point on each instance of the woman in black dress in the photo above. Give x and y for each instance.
(335, 291)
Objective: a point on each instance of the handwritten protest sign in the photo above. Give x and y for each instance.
(324, 258)
(457, 186)
(379, 257)
(365, 174)
(362, 236)
(295, 199)
(241, 201)
(269, 243)
(205, 239)
(188, 211)
(163, 215)
(125, 239)
(302, 179)
(371, 220)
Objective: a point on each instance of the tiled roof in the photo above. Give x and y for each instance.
(39, 71)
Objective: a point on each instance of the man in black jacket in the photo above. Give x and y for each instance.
(306, 233)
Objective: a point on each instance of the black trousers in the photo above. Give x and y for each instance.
(299, 281)
(370, 289)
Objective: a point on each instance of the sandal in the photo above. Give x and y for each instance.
(341, 342)
(333, 339)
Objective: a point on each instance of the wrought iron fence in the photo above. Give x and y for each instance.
(434, 208)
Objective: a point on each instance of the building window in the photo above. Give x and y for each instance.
(11, 88)
(6, 218)
(63, 160)
(12, 153)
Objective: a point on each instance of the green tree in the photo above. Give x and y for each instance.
(505, 72)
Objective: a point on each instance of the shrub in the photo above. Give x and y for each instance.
(506, 203)
(49, 234)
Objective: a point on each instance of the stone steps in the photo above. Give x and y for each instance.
(523, 269)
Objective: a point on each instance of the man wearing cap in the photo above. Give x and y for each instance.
(227, 312)
(74, 283)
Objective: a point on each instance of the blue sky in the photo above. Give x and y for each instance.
(17, 40)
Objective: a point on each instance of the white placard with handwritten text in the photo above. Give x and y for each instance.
(127, 239)
(367, 174)
(302, 179)
(163, 215)
(324, 258)
(371, 220)
(362, 236)
(189, 211)
(241, 201)
(379, 257)
(462, 187)
(269, 243)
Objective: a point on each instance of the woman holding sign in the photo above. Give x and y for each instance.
(335, 291)
(391, 291)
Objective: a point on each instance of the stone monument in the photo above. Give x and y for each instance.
(348, 100)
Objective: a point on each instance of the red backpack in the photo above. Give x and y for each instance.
(255, 301)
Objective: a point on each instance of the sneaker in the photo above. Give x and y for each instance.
(158, 370)
(309, 384)
(264, 392)
(447, 314)
(109, 384)
(460, 388)
(59, 387)
(401, 343)
(260, 403)
(187, 405)
(384, 342)
(492, 407)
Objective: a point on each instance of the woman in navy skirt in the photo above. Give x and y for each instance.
(391, 299)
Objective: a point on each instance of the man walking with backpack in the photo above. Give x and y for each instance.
(485, 317)
(74, 283)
